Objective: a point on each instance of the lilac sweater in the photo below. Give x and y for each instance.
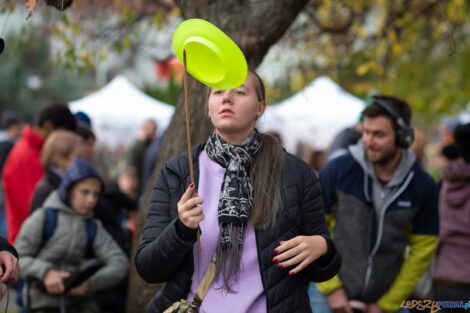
(249, 296)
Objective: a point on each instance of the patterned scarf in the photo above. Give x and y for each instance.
(236, 198)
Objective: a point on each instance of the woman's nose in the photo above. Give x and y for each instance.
(227, 97)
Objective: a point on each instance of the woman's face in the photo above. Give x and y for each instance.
(63, 162)
(84, 195)
(234, 112)
(87, 148)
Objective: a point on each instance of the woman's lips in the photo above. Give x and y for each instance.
(226, 112)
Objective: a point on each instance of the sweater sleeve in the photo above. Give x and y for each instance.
(313, 223)
(161, 249)
(28, 242)
(6, 246)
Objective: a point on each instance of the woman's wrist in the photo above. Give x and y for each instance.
(326, 257)
(185, 232)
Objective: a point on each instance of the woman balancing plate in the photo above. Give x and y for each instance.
(264, 230)
(212, 58)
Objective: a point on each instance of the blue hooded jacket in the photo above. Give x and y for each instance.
(78, 170)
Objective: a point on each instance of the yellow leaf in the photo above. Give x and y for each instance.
(362, 32)
(31, 4)
(397, 48)
(362, 69)
(83, 55)
(175, 11)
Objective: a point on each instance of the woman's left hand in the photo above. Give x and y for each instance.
(300, 251)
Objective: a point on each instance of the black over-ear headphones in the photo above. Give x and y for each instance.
(404, 135)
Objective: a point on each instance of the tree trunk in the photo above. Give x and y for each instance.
(254, 26)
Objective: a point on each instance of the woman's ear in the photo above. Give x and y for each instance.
(261, 109)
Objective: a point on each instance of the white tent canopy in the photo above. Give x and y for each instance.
(118, 110)
(314, 115)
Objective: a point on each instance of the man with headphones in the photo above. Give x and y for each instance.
(380, 204)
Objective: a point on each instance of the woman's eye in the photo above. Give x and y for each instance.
(239, 92)
(217, 92)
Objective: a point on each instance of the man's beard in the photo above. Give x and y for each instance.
(386, 158)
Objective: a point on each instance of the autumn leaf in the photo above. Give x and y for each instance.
(30, 4)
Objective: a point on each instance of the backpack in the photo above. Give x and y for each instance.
(48, 229)
(51, 222)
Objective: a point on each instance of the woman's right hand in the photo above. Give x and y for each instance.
(189, 211)
(54, 283)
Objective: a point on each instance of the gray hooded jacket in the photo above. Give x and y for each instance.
(373, 222)
(382, 194)
(65, 251)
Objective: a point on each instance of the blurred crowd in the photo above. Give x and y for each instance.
(54, 180)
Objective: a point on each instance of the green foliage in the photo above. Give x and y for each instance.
(392, 47)
(28, 79)
(368, 46)
(168, 94)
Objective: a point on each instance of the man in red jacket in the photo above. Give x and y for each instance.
(22, 169)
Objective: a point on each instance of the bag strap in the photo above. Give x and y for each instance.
(49, 224)
(91, 234)
(48, 228)
(205, 284)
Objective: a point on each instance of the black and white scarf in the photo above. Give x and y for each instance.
(235, 201)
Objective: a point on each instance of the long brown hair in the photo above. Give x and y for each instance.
(266, 172)
(266, 177)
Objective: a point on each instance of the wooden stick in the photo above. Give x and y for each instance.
(188, 136)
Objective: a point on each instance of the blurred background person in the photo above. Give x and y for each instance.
(83, 119)
(446, 130)
(452, 274)
(317, 160)
(60, 149)
(116, 209)
(379, 201)
(150, 160)
(23, 169)
(69, 245)
(136, 152)
(11, 126)
(87, 142)
(419, 145)
(447, 157)
(347, 137)
(93, 153)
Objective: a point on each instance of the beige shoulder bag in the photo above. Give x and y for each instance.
(183, 306)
